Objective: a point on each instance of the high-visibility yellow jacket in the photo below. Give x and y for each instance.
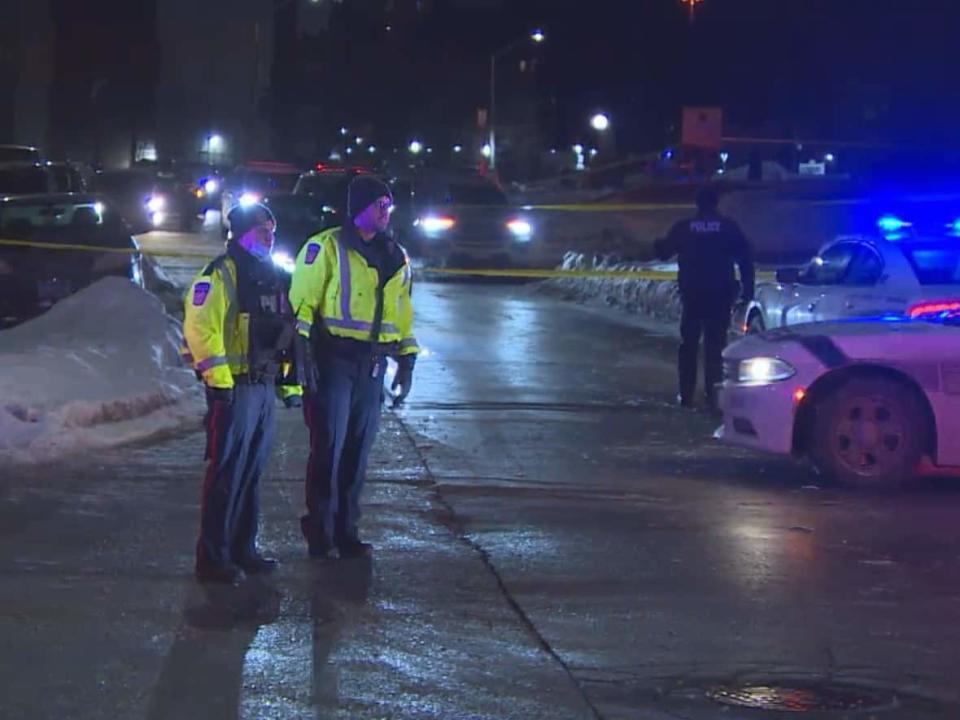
(215, 333)
(333, 285)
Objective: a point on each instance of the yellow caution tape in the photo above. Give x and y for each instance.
(65, 246)
(612, 207)
(102, 248)
(543, 274)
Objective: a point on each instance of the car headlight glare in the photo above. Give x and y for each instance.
(211, 186)
(283, 261)
(764, 370)
(156, 203)
(435, 223)
(249, 199)
(521, 229)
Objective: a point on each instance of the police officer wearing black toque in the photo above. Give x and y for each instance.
(238, 329)
(707, 248)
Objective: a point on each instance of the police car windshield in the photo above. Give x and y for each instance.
(331, 188)
(468, 194)
(267, 182)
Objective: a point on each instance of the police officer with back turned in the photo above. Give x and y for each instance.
(707, 248)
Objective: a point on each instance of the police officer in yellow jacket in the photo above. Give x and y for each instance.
(351, 291)
(238, 328)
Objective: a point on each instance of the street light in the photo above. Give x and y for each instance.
(536, 36)
(600, 122)
(215, 143)
(458, 148)
(415, 147)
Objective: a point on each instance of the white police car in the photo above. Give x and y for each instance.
(867, 275)
(870, 401)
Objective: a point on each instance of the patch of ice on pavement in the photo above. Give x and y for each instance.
(99, 369)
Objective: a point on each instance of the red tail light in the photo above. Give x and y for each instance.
(933, 307)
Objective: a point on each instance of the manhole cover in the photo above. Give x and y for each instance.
(799, 699)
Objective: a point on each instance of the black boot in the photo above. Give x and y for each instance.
(258, 565)
(354, 549)
(318, 547)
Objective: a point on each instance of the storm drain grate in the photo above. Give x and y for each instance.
(800, 699)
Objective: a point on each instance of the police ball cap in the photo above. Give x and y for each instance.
(242, 218)
(363, 191)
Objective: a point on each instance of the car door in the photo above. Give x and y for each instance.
(822, 279)
(859, 291)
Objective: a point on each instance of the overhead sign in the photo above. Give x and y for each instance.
(702, 127)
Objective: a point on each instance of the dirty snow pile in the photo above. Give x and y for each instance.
(658, 299)
(99, 369)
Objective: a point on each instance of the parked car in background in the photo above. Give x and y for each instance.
(202, 181)
(134, 195)
(465, 221)
(249, 183)
(328, 185)
(298, 218)
(19, 178)
(19, 154)
(884, 272)
(148, 200)
(32, 277)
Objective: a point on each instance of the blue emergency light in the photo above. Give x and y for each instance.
(892, 227)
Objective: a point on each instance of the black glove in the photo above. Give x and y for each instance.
(404, 378)
(220, 395)
(293, 401)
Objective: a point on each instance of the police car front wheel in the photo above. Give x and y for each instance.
(870, 432)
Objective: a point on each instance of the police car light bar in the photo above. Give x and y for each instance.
(933, 307)
(891, 225)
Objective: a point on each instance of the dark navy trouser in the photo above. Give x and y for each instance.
(239, 437)
(343, 417)
(710, 317)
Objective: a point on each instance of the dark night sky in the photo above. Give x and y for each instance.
(835, 68)
(873, 70)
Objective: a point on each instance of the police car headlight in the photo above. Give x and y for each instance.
(764, 370)
(283, 261)
(434, 224)
(249, 199)
(211, 186)
(520, 229)
(156, 203)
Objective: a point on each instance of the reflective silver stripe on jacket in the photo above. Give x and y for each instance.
(346, 321)
(211, 362)
(230, 319)
(360, 325)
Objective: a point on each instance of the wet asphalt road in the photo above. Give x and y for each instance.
(554, 540)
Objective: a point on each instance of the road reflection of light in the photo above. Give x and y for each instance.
(277, 667)
(517, 343)
(763, 554)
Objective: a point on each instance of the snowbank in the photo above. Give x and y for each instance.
(99, 369)
(659, 299)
